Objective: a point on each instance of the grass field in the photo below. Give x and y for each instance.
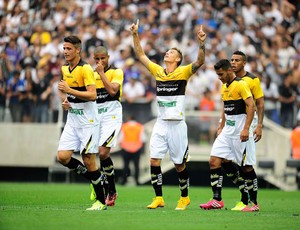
(62, 206)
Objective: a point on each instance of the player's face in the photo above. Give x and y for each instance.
(223, 75)
(70, 51)
(172, 56)
(237, 63)
(102, 58)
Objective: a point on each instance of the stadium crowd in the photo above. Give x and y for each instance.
(32, 33)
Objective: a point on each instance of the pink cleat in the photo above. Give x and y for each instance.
(110, 199)
(212, 204)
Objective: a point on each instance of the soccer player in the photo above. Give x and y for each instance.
(81, 131)
(245, 176)
(233, 130)
(170, 130)
(109, 81)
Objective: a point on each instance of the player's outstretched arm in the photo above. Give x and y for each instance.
(137, 45)
(201, 52)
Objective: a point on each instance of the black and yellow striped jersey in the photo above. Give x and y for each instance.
(234, 96)
(254, 84)
(82, 113)
(170, 90)
(113, 75)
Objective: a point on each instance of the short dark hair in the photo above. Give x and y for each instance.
(180, 54)
(238, 52)
(73, 40)
(222, 64)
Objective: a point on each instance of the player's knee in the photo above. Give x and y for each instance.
(63, 158)
(215, 162)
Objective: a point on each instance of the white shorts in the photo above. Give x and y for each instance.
(109, 130)
(229, 148)
(250, 152)
(84, 139)
(250, 145)
(169, 136)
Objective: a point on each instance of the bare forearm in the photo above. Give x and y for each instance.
(137, 46)
(83, 95)
(201, 57)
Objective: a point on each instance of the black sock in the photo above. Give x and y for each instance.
(78, 167)
(104, 181)
(216, 180)
(184, 182)
(252, 185)
(108, 169)
(234, 173)
(156, 179)
(96, 181)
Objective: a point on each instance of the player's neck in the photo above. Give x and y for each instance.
(240, 73)
(170, 67)
(73, 63)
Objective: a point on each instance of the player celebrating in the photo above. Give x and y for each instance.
(170, 130)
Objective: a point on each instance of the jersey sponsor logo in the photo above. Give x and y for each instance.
(166, 89)
(228, 109)
(230, 123)
(167, 103)
(76, 111)
(102, 110)
(170, 88)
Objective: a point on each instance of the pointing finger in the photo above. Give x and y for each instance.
(137, 22)
(200, 27)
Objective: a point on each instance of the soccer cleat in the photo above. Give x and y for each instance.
(251, 208)
(158, 202)
(110, 199)
(239, 206)
(212, 204)
(183, 203)
(97, 206)
(93, 196)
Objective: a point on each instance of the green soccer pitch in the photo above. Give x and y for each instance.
(55, 206)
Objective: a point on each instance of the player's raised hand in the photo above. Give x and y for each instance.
(201, 34)
(134, 27)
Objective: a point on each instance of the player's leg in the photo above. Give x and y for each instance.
(235, 174)
(178, 149)
(158, 149)
(95, 176)
(156, 181)
(221, 149)
(68, 143)
(250, 175)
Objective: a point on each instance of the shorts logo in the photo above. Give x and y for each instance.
(102, 110)
(76, 111)
(167, 104)
(230, 123)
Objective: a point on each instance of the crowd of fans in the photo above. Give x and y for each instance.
(32, 33)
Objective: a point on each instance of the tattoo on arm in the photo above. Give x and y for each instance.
(202, 47)
(195, 67)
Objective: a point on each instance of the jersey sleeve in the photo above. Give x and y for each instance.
(257, 89)
(244, 90)
(88, 75)
(118, 76)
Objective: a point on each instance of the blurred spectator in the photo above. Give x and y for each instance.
(26, 98)
(13, 51)
(133, 90)
(208, 128)
(2, 95)
(295, 141)
(132, 139)
(287, 98)
(42, 91)
(55, 103)
(15, 88)
(271, 95)
(40, 35)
